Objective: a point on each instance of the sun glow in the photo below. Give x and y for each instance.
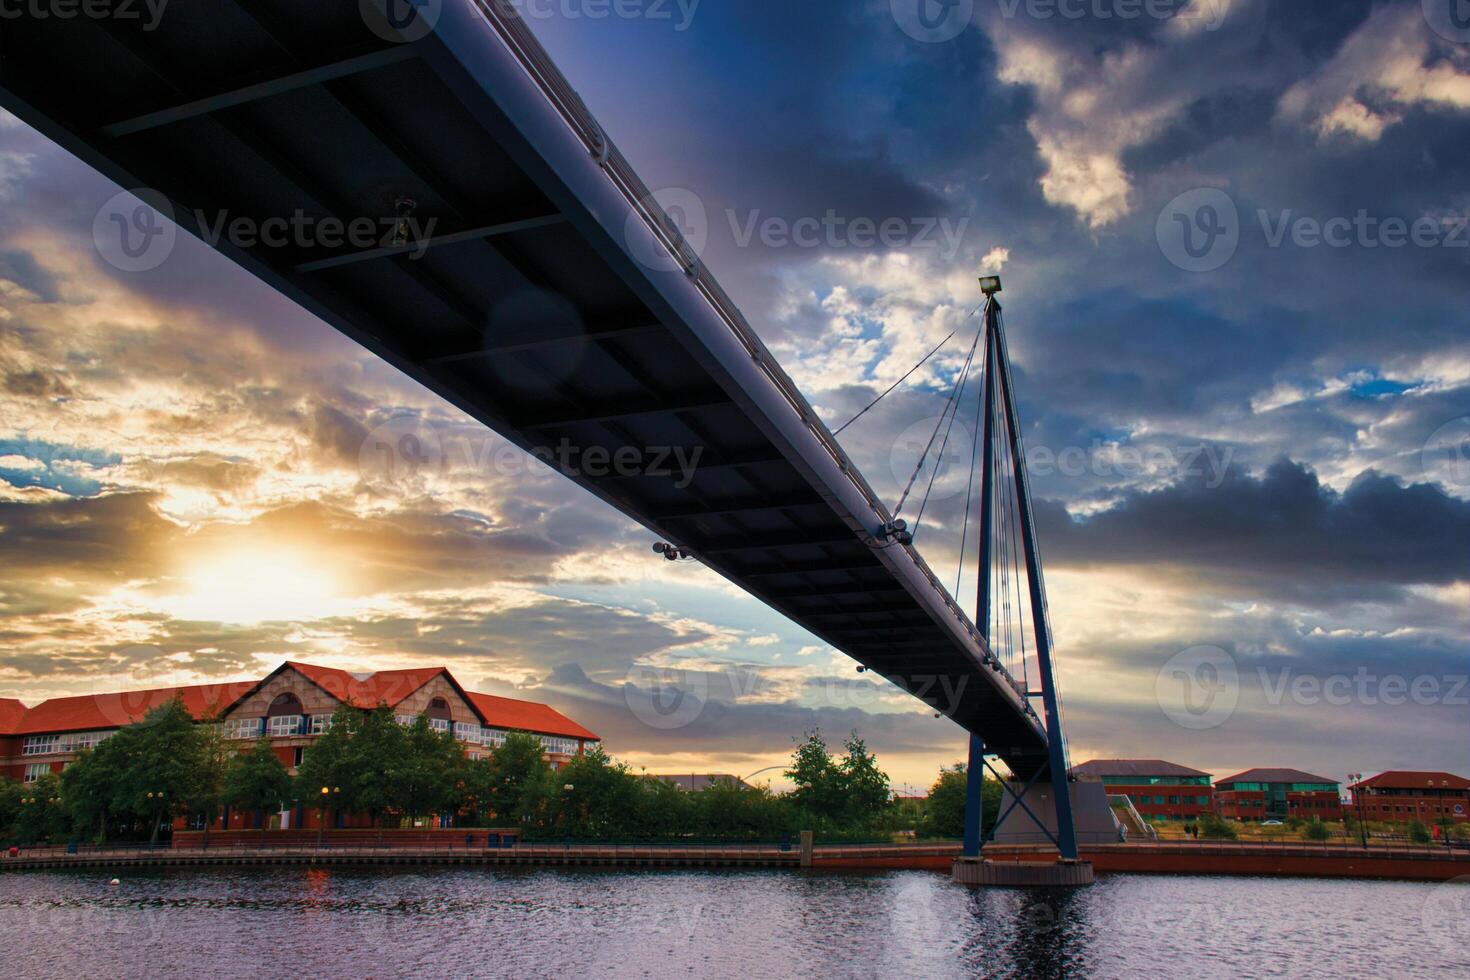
(257, 587)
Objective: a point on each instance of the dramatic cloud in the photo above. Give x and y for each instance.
(1267, 458)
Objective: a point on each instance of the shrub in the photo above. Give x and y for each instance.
(1418, 833)
(1317, 830)
(1213, 827)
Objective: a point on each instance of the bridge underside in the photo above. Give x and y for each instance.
(526, 310)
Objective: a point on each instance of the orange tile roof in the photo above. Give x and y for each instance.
(100, 711)
(368, 690)
(89, 712)
(11, 712)
(528, 716)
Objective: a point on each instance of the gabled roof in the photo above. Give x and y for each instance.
(1411, 779)
(11, 712)
(1134, 767)
(543, 719)
(90, 712)
(366, 690)
(1274, 776)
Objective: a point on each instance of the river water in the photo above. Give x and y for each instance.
(751, 925)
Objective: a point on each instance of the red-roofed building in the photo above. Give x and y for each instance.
(1402, 796)
(1278, 794)
(1159, 790)
(291, 706)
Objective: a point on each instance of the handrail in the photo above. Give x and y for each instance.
(506, 21)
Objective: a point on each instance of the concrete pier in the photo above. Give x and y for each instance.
(981, 872)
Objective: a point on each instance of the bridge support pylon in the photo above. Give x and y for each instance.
(1006, 515)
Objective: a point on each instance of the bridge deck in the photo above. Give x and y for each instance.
(529, 309)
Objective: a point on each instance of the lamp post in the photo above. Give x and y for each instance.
(1355, 783)
(155, 804)
(326, 795)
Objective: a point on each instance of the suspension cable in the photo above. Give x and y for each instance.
(898, 382)
(985, 369)
(908, 487)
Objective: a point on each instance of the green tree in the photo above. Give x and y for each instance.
(426, 777)
(1317, 830)
(944, 811)
(326, 762)
(10, 795)
(163, 765)
(257, 781)
(41, 817)
(819, 794)
(864, 785)
(601, 800)
(516, 767)
(375, 750)
(1418, 833)
(217, 755)
(91, 784)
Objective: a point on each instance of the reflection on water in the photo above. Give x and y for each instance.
(752, 925)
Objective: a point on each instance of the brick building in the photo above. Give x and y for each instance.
(1402, 796)
(291, 706)
(1159, 790)
(1278, 794)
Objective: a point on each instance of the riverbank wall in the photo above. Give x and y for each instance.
(1414, 864)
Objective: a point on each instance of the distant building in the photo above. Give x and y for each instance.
(1401, 796)
(292, 706)
(1159, 790)
(1278, 794)
(695, 782)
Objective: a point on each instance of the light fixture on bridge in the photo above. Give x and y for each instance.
(897, 531)
(861, 669)
(403, 208)
(671, 552)
(990, 285)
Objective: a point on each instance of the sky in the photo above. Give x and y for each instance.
(1233, 237)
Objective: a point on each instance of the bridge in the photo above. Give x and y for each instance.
(529, 277)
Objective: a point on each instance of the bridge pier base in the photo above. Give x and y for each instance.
(984, 873)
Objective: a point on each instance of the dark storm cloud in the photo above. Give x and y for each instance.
(1282, 534)
(111, 537)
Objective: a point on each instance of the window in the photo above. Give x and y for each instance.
(1202, 800)
(493, 736)
(1173, 801)
(321, 724)
(41, 745)
(1159, 800)
(283, 725)
(467, 731)
(439, 724)
(405, 720)
(243, 727)
(299, 755)
(559, 746)
(36, 770)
